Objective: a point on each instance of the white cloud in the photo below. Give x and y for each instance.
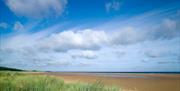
(152, 54)
(122, 45)
(44, 47)
(37, 8)
(3, 25)
(84, 39)
(84, 54)
(98, 46)
(18, 26)
(112, 6)
(167, 29)
(170, 24)
(128, 35)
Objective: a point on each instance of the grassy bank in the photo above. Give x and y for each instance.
(15, 81)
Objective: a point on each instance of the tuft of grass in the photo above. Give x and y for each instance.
(14, 81)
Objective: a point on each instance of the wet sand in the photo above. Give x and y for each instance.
(127, 81)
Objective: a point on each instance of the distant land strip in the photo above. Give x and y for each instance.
(16, 69)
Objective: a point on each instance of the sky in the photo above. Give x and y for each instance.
(90, 35)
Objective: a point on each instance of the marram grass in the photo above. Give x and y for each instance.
(14, 81)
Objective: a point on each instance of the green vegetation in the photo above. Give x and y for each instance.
(16, 81)
(9, 69)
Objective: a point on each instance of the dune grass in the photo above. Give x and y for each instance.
(15, 81)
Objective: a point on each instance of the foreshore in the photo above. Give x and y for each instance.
(127, 81)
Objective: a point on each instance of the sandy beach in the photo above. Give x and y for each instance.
(127, 81)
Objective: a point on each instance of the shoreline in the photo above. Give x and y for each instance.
(140, 82)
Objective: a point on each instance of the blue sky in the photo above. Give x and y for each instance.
(90, 35)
